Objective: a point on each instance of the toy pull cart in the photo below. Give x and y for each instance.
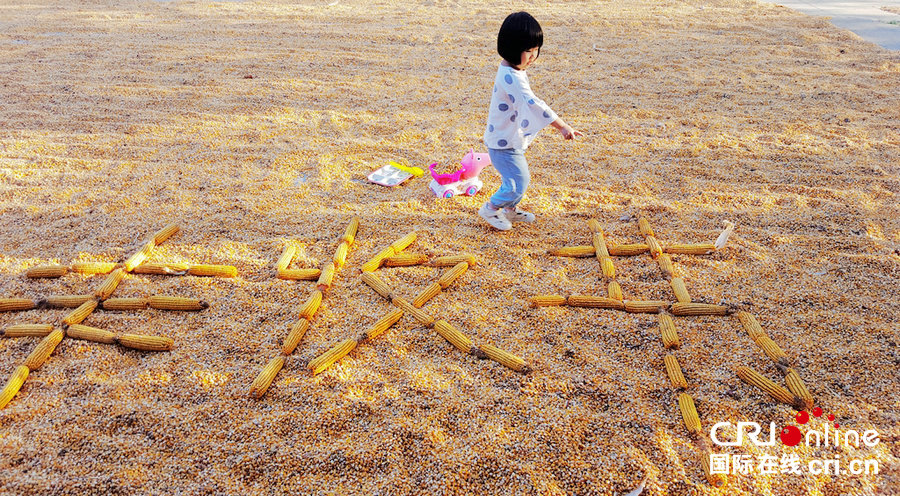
(462, 182)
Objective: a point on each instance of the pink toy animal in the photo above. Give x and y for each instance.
(464, 181)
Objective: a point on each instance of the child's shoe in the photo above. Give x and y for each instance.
(516, 215)
(495, 218)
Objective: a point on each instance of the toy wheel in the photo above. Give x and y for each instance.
(471, 190)
(448, 194)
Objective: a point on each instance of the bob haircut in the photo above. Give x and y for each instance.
(519, 32)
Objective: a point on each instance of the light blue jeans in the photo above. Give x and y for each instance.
(514, 174)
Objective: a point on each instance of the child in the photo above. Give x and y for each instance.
(515, 117)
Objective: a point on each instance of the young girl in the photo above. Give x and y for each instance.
(515, 117)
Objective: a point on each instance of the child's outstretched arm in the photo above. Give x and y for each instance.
(567, 131)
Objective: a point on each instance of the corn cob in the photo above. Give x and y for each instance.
(212, 270)
(81, 313)
(628, 250)
(594, 226)
(772, 350)
(125, 303)
(420, 316)
(42, 351)
(673, 370)
(681, 292)
(547, 300)
(46, 271)
(145, 343)
(653, 244)
(701, 249)
(615, 291)
(326, 277)
(177, 303)
(594, 302)
(293, 338)
(682, 309)
(430, 292)
(384, 323)
(266, 376)
(795, 385)
(573, 251)
(689, 413)
(378, 259)
(78, 331)
(334, 354)
(402, 243)
(751, 325)
(607, 267)
(504, 358)
(311, 305)
(139, 256)
(93, 267)
(667, 330)
(299, 274)
(451, 334)
(16, 304)
(405, 260)
(599, 242)
(162, 268)
(110, 283)
(23, 330)
(645, 306)
(665, 265)
(13, 385)
(451, 260)
(645, 228)
(350, 233)
(340, 254)
(777, 392)
(67, 301)
(286, 257)
(374, 282)
(452, 274)
(716, 480)
(165, 233)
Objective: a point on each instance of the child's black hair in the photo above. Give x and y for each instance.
(519, 32)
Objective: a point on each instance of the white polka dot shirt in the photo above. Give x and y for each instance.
(516, 114)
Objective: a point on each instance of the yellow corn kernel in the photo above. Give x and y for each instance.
(504, 358)
(595, 302)
(665, 265)
(139, 256)
(165, 233)
(334, 354)
(266, 376)
(340, 254)
(430, 292)
(42, 351)
(145, 343)
(673, 370)
(682, 309)
(547, 300)
(751, 325)
(452, 274)
(667, 330)
(110, 283)
(645, 306)
(162, 268)
(384, 323)
(405, 260)
(645, 228)
(689, 414)
(311, 305)
(798, 388)
(293, 338)
(212, 270)
(125, 303)
(374, 282)
(717, 479)
(772, 350)
(78, 331)
(628, 250)
(286, 257)
(653, 244)
(299, 274)
(16, 304)
(350, 233)
(777, 392)
(177, 303)
(701, 249)
(451, 260)
(82, 312)
(607, 267)
(13, 385)
(599, 242)
(407, 307)
(573, 251)
(67, 301)
(451, 334)
(402, 243)
(326, 278)
(681, 292)
(378, 259)
(615, 291)
(46, 271)
(90, 268)
(23, 330)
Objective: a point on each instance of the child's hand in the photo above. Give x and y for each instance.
(568, 132)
